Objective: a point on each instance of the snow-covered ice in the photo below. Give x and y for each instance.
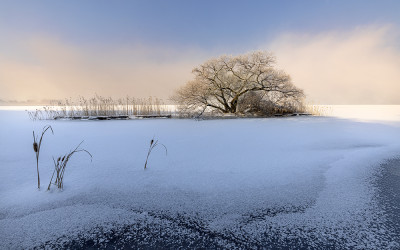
(273, 182)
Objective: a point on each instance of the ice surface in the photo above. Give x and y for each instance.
(249, 182)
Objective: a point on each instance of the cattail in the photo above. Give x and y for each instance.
(36, 148)
(153, 144)
(59, 167)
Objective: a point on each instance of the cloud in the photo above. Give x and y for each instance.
(48, 68)
(360, 66)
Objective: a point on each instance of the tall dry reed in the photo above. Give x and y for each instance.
(101, 106)
(60, 166)
(153, 144)
(37, 143)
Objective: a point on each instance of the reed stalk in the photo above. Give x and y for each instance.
(37, 143)
(60, 166)
(154, 144)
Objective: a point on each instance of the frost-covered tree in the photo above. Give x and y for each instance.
(224, 83)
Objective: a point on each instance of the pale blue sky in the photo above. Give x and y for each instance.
(204, 23)
(159, 32)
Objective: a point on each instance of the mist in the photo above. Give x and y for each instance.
(53, 69)
(359, 66)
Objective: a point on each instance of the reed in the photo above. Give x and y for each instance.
(319, 110)
(101, 106)
(60, 166)
(37, 143)
(153, 144)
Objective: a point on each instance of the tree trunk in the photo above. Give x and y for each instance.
(233, 107)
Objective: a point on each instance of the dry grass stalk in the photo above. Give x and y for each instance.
(154, 144)
(61, 164)
(37, 143)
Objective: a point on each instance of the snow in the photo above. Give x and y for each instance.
(371, 113)
(250, 182)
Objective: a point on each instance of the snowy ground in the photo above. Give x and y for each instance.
(283, 182)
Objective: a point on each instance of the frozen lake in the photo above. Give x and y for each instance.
(271, 182)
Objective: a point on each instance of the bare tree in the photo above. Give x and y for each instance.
(222, 83)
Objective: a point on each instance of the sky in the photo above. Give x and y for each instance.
(338, 52)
